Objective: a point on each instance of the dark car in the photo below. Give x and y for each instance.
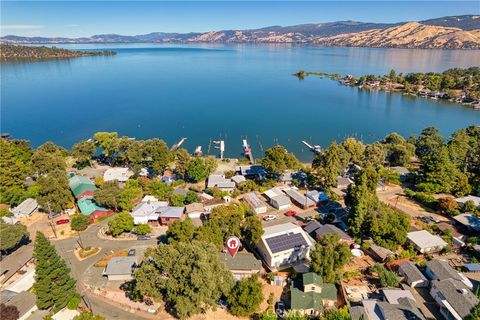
(280, 308)
(63, 221)
(144, 238)
(132, 252)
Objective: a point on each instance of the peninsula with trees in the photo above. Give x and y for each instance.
(9, 52)
(455, 85)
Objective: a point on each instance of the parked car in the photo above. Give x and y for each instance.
(222, 303)
(270, 217)
(433, 219)
(63, 221)
(132, 252)
(280, 308)
(144, 238)
(53, 215)
(290, 213)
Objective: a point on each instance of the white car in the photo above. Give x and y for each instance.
(269, 218)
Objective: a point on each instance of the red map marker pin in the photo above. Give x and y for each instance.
(233, 243)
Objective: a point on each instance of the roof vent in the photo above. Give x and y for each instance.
(463, 291)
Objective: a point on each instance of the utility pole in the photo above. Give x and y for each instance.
(52, 225)
(80, 240)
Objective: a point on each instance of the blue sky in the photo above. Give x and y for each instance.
(85, 18)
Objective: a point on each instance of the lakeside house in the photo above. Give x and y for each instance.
(311, 295)
(238, 179)
(26, 208)
(424, 241)
(402, 172)
(251, 171)
(25, 302)
(343, 183)
(254, 202)
(219, 181)
(242, 265)
(120, 268)
(284, 244)
(17, 262)
(278, 199)
(117, 173)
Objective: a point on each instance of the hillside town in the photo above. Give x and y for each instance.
(134, 229)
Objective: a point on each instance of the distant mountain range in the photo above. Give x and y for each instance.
(455, 32)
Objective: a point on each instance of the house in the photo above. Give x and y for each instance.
(284, 244)
(65, 314)
(251, 171)
(220, 182)
(278, 199)
(454, 298)
(209, 205)
(16, 262)
(88, 207)
(120, 268)
(468, 221)
(253, 200)
(168, 215)
(440, 270)
(424, 241)
(317, 196)
(194, 210)
(81, 186)
(379, 253)
(168, 176)
(402, 171)
(476, 200)
(238, 179)
(310, 297)
(330, 228)
(343, 183)
(373, 309)
(299, 199)
(25, 302)
(242, 265)
(147, 212)
(311, 226)
(148, 198)
(10, 220)
(411, 275)
(24, 281)
(26, 208)
(117, 173)
(180, 191)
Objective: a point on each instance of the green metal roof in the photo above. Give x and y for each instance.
(75, 181)
(82, 188)
(301, 300)
(312, 278)
(87, 206)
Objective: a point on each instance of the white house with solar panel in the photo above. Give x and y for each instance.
(284, 245)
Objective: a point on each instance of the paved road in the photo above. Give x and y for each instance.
(89, 237)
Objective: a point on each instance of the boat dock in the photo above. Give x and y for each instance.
(220, 145)
(247, 151)
(314, 149)
(178, 144)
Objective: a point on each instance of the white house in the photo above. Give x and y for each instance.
(147, 211)
(26, 208)
(117, 173)
(278, 199)
(120, 268)
(284, 244)
(425, 242)
(219, 181)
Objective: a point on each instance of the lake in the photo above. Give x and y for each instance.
(210, 92)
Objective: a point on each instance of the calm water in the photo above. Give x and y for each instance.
(205, 92)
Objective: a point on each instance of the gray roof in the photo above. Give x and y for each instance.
(241, 261)
(424, 239)
(406, 309)
(120, 266)
(442, 270)
(219, 181)
(15, 260)
(458, 295)
(411, 271)
(24, 301)
(238, 178)
(357, 312)
(381, 252)
(26, 207)
(312, 226)
(474, 199)
(281, 200)
(342, 181)
(469, 220)
(170, 212)
(254, 201)
(251, 170)
(400, 170)
(299, 198)
(330, 228)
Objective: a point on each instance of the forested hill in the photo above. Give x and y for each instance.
(16, 52)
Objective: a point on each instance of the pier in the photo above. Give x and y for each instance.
(314, 149)
(220, 145)
(178, 144)
(247, 151)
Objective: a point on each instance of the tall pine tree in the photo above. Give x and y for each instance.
(53, 286)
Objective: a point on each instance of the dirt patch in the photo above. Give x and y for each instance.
(82, 254)
(102, 263)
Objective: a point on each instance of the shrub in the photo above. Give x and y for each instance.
(79, 222)
(74, 302)
(143, 229)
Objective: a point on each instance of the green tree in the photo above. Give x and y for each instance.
(143, 229)
(180, 231)
(388, 279)
(4, 212)
(374, 155)
(108, 141)
(294, 315)
(474, 313)
(197, 170)
(84, 315)
(429, 141)
(266, 315)
(83, 152)
(11, 235)
(245, 296)
(329, 257)
(15, 165)
(355, 150)
(108, 195)
(176, 200)
(277, 159)
(189, 276)
(247, 186)
(79, 222)
(48, 158)
(131, 194)
(159, 154)
(337, 314)
(191, 197)
(328, 165)
(182, 160)
(121, 223)
(54, 287)
(158, 189)
(54, 193)
(252, 230)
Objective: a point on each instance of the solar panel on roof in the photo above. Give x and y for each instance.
(286, 241)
